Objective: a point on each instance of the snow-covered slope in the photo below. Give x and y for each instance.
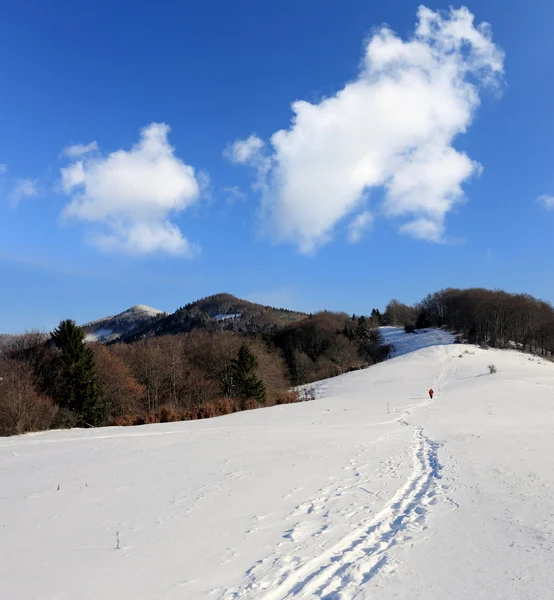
(372, 491)
(422, 338)
(111, 328)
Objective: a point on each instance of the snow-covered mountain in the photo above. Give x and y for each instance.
(129, 321)
(373, 490)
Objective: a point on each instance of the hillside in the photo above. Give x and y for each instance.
(370, 491)
(221, 312)
(123, 324)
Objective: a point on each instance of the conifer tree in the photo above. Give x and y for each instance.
(245, 382)
(376, 316)
(79, 391)
(292, 365)
(362, 329)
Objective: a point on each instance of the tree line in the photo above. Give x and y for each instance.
(58, 380)
(491, 317)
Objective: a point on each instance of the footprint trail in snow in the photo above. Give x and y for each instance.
(320, 566)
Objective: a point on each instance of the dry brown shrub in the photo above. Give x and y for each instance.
(225, 406)
(287, 397)
(189, 414)
(125, 420)
(248, 404)
(207, 411)
(167, 414)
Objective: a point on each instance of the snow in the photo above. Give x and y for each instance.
(137, 311)
(222, 317)
(146, 309)
(423, 338)
(371, 491)
(98, 335)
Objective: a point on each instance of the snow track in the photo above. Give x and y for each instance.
(340, 572)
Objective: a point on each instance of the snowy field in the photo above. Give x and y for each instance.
(370, 491)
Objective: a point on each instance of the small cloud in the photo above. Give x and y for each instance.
(424, 229)
(546, 201)
(3, 169)
(24, 188)
(79, 149)
(358, 226)
(132, 193)
(251, 152)
(242, 152)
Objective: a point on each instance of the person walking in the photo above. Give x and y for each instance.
(431, 393)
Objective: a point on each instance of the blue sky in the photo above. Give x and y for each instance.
(416, 168)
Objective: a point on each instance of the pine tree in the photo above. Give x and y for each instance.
(362, 329)
(245, 382)
(79, 389)
(376, 316)
(292, 365)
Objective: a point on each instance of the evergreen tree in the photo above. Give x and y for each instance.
(79, 391)
(245, 382)
(292, 365)
(362, 329)
(376, 316)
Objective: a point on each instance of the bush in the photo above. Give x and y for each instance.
(64, 419)
(248, 404)
(492, 369)
(410, 328)
(225, 406)
(287, 397)
(167, 414)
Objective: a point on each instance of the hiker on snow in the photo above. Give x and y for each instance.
(431, 393)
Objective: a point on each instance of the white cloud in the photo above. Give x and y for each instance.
(358, 226)
(133, 193)
(546, 201)
(3, 169)
(252, 152)
(391, 128)
(243, 151)
(146, 238)
(79, 149)
(24, 188)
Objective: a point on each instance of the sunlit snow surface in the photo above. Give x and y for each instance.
(371, 491)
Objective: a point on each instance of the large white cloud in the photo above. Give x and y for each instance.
(392, 128)
(132, 193)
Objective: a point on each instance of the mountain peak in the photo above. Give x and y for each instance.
(112, 328)
(144, 309)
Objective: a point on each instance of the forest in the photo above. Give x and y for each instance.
(58, 380)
